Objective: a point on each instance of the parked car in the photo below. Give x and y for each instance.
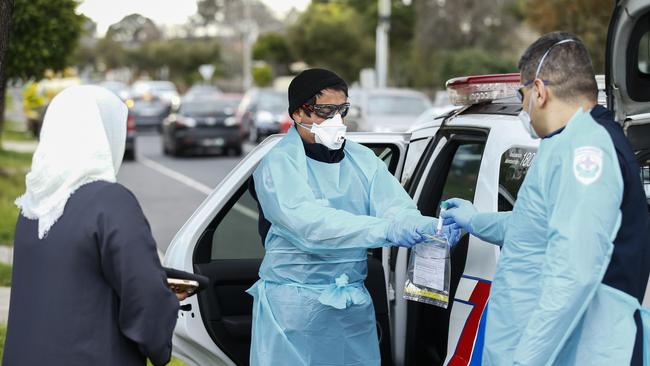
(201, 90)
(129, 147)
(481, 153)
(148, 110)
(118, 88)
(385, 110)
(165, 90)
(203, 124)
(441, 105)
(261, 112)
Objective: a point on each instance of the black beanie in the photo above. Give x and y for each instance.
(308, 83)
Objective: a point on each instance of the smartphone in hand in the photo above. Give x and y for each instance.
(181, 285)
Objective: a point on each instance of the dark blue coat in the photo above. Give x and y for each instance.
(92, 292)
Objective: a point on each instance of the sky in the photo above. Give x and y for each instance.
(164, 12)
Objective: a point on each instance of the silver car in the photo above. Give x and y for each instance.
(385, 110)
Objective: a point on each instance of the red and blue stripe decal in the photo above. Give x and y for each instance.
(469, 350)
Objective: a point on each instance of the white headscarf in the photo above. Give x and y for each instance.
(82, 140)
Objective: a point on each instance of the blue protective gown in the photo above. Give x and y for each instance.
(310, 305)
(548, 305)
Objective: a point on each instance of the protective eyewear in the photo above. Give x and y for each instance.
(328, 110)
(520, 91)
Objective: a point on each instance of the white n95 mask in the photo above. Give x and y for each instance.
(524, 117)
(330, 132)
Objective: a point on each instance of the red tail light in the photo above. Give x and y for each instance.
(130, 123)
(285, 123)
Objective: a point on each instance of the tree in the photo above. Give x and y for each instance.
(134, 29)
(6, 9)
(262, 75)
(588, 19)
(228, 15)
(473, 61)
(43, 35)
(443, 27)
(110, 53)
(401, 33)
(330, 35)
(182, 57)
(273, 48)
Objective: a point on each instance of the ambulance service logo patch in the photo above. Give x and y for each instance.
(587, 164)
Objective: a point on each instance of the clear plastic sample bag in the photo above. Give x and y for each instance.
(429, 272)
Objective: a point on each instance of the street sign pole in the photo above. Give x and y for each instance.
(381, 45)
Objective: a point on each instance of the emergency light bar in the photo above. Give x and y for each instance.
(467, 90)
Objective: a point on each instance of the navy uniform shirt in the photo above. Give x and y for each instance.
(629, 268)
(92, 292)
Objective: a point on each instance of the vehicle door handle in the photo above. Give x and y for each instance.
(186, 307)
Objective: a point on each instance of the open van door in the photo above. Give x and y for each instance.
(221, 241)
(627, 78)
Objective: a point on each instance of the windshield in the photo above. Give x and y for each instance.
(397, 105)
(273, 102)
(209, 107)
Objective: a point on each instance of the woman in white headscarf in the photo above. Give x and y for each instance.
(88, 287)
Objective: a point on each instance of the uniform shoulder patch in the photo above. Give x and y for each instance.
(587, 164)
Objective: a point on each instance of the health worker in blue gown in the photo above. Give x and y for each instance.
(575, 249)
(324, 201)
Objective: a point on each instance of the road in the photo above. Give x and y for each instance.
(169, 189)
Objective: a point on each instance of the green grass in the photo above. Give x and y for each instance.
(3, 333)
(13, 167)
(17, 135)
(12, 131)
(5, 275)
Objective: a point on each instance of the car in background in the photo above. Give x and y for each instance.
(163, 89)
(201, 90)
(129, 147)
(118, 88)
(261, 112)
(441, 106)
(148, 110)
(203, 124)
(385, 110)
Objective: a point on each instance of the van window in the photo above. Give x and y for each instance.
(415, 151)
(512, 171)
(463, 172)
(237, 237)
(644, 54)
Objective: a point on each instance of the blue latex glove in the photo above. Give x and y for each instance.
(460, 213)
(404, 234)
(452, 231)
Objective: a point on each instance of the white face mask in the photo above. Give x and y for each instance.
(524, 117)
(330, 132)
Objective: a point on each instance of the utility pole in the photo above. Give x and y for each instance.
(249, 37)
(381, 46)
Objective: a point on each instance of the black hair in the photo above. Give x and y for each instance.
(567, 67)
